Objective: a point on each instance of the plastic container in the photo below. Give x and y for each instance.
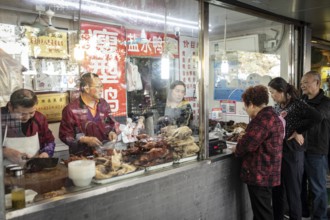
(81, 172)
(10, 166)
(18, 189)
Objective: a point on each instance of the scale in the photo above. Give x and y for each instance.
(216, 147)
(216, 143)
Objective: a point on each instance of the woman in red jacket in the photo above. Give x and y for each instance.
(261, 150)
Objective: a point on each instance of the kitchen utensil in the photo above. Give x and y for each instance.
(37, 164)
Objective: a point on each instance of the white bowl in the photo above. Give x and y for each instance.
(81, 172)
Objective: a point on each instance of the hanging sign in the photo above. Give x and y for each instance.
(54, 45)
(189, 69)
(150, 44)
(105, 55)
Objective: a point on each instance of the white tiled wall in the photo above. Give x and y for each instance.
(61, 149)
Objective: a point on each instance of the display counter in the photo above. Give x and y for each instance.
(208, 189)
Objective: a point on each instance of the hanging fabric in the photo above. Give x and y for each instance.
(134, 81)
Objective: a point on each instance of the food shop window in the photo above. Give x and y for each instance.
(146, 55)
(245, 50)
(149, 48)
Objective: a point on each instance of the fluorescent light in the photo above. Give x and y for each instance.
(112, 10)
(165, 65)
(224, 65)
(78, 53)
(142, 13)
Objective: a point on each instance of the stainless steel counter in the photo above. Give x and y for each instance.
(94, 190)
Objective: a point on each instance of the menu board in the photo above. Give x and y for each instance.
(189, 69)
(150, 44)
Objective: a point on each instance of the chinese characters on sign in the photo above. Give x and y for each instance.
(51, 46)
(106, 52)
(149, 44)
(188, 69)
(228, 106)
(140, 43)
(51, 105)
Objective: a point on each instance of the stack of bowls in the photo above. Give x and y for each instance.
(81, 172)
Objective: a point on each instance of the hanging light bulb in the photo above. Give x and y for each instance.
(165, 65)
(224, 60)
(224, 64)
(165, 61)
(78, 53)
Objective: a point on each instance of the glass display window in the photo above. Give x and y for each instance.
(242, 57)
(145, 55)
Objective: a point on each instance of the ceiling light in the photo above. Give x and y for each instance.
(224, 60)
(112, 10)
(165, 66)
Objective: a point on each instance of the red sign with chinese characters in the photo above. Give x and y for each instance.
(149, 44)
(105, 55)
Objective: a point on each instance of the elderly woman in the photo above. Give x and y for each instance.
(261, 150)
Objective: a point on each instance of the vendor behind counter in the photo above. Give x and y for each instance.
(24, 130)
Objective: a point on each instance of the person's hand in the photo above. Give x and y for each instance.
(112, 136)
(298, 137)
(240, 135)
(117, 125)
(14, 155)
(90, 141)
(43, 155)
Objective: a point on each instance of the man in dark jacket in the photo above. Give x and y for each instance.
(318, 139)
(87, 122)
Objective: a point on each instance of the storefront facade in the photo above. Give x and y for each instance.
(138, 48)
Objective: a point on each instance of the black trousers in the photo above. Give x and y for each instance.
(261, 201)
(291, 184)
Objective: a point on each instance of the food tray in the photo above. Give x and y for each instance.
(117, 178)
(186, 159)
(159, 166)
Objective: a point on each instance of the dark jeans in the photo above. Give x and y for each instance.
(291, 180)
(261, 202)
(305, 196)
(316, 167)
